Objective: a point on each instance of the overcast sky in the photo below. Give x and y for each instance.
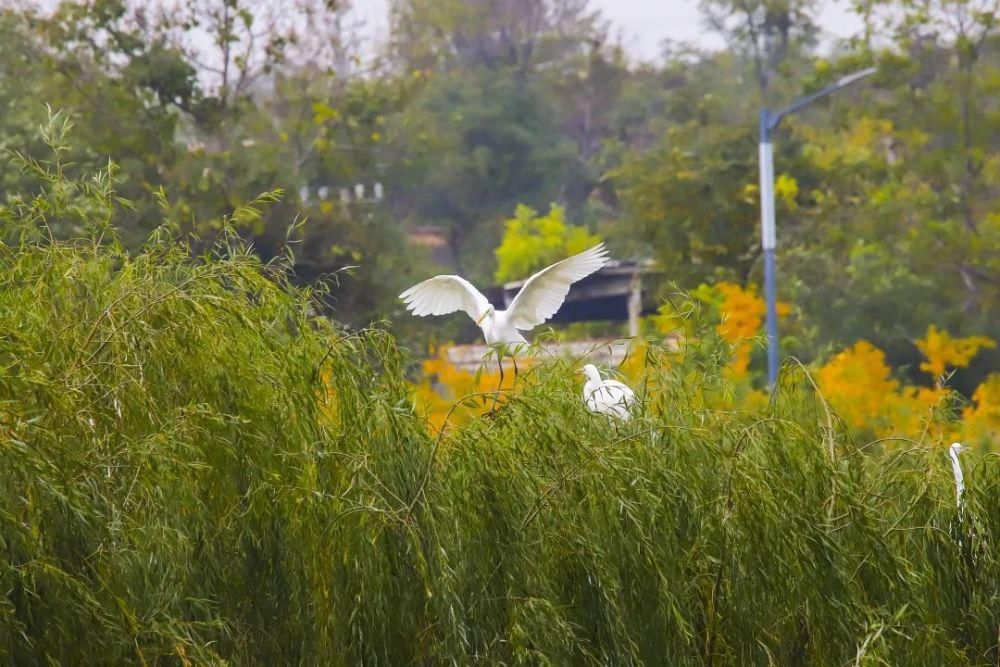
(643, 24)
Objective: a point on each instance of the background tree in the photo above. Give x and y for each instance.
(532, 242)
(900, 234)
(771, 34)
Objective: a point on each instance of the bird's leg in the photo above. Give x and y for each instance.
(514, 359)
(496, 396)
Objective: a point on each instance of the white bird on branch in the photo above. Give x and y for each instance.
(539, 299)
(607, 397)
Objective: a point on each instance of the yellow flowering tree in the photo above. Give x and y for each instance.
(740, 314)
(531, 242)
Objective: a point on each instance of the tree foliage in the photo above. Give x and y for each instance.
(532, 242)
(887, 191)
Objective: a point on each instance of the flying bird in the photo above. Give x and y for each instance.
(539, 299)
(608, 397)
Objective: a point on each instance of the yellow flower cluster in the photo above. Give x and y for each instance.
(858, 384)
(981, 420)
(742, 314)
(442, 385)
(943, 351)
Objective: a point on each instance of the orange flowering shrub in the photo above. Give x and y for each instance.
(922, 412)
(742, 318)
(740, 312)
(634, 363)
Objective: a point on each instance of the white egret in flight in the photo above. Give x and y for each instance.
(539, 298)
(607, 397)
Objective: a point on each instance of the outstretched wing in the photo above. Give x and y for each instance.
(441, 295)
(544, 293)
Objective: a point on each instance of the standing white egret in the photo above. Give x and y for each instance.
(963, 528)
(539, 298)
(956, 467)
(608, 397)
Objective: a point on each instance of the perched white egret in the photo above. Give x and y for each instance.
(539, 298)
(608, 397)
(956, 467)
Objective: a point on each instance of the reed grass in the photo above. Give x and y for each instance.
(195, 468)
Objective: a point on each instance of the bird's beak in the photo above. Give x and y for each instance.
(479, 322)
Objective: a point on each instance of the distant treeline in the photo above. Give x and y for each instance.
(887, 192)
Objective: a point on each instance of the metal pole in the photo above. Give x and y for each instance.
(634, 304)
(768, 243)
(768, 122)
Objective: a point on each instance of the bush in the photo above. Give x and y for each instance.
(196, 469)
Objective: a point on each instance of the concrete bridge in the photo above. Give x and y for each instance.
(606, 352)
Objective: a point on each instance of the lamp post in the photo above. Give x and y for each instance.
(769, 121)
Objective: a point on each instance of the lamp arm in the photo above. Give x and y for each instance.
(774, 118)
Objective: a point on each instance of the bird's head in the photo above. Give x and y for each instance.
(590, 370)
(487, 314)
(957, 447)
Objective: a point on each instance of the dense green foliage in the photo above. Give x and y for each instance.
(196, 468)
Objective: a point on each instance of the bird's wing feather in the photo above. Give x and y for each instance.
(622, 387)
(543, 293)
(614, 401)
(441, 295)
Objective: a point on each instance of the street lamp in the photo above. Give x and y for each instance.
(768, 123)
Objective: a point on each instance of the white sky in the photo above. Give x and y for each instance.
(642, 24)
